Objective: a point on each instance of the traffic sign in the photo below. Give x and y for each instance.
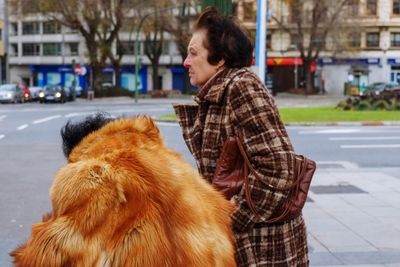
(80, 70)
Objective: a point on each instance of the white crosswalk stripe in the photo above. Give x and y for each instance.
(372, 146)
(46, 119)
(22, 127)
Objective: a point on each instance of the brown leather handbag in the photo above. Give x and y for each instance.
(232, 171)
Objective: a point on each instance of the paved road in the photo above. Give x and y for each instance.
(354, 206)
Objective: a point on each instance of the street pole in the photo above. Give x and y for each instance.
(6, 33)
(261, 39)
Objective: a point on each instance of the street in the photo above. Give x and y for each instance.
(355, 194)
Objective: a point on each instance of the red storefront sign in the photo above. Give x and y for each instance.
(287, 61)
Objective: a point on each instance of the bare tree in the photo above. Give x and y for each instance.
(310, 24)
(179, 26)
(154, 42)
(98, 21)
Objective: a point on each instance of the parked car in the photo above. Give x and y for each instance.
(52, 93)
(377, 88)
(391, 92)
(35, 90)
(10, 93)
(26, 95)
(70, 93)
(78, 91)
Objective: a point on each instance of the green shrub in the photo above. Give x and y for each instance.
(363, 105)
(395, 105)
(381, 105)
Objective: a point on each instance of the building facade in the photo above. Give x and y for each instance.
(370, 54)
(44, 52)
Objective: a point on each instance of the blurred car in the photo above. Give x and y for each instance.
(78, 91)
(35, 90)
(391, 92)
(52, 93)
(26, 95)
(10, 93)
(70, 93)
(377, 88)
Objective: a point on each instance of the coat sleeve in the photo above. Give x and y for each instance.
(256, 117)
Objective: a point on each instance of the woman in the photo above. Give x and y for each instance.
(233, 101)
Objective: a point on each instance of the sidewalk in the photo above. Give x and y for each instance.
(353, 218)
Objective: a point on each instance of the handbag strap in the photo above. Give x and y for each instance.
(247, 167)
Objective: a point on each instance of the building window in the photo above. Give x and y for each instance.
(319, 40)
(395, 39)
(51, 27)
(294, 41)
(126, 48)
(73, 49)
(371, 7)
(14, 50)
(30, 28)
(396, 7)
(373, 39)
(354, 39)
(51, 49)
(14, 28)
(269, 40)
(165, 47)
(30, 49)
(352, 7)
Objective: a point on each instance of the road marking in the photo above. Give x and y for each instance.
(345, 164)
(364, 138)
(22, 127)
(371, 146)
(331, 131)
(135, 110)
(162, 123)
(47, 119)
(2, 117)
(2, 136)
(70, 115)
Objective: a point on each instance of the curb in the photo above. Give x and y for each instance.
(310, 124)
(366, 123)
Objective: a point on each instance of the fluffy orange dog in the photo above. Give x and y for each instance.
(125, 199)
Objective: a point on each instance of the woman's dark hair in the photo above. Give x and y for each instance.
(226, 39)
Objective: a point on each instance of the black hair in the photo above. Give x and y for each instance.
(226, 39)
(73, 133)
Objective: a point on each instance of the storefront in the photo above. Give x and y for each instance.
(63, 75)
(394, 69)
(350, 75)
(285, 73)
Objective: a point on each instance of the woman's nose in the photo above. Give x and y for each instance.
(186, 63)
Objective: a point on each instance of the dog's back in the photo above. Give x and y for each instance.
(127, 200)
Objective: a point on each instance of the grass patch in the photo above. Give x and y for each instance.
(331, 114)
(323, 114)
(167, 117)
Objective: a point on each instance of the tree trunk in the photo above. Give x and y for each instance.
(117, 72)
(309, 78)
(96, 80)
(156, 86)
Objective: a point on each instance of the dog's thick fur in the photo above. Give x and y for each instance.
(125, 199)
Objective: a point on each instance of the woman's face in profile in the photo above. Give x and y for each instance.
(200, 70)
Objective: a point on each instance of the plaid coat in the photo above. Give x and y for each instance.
(235, 101)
